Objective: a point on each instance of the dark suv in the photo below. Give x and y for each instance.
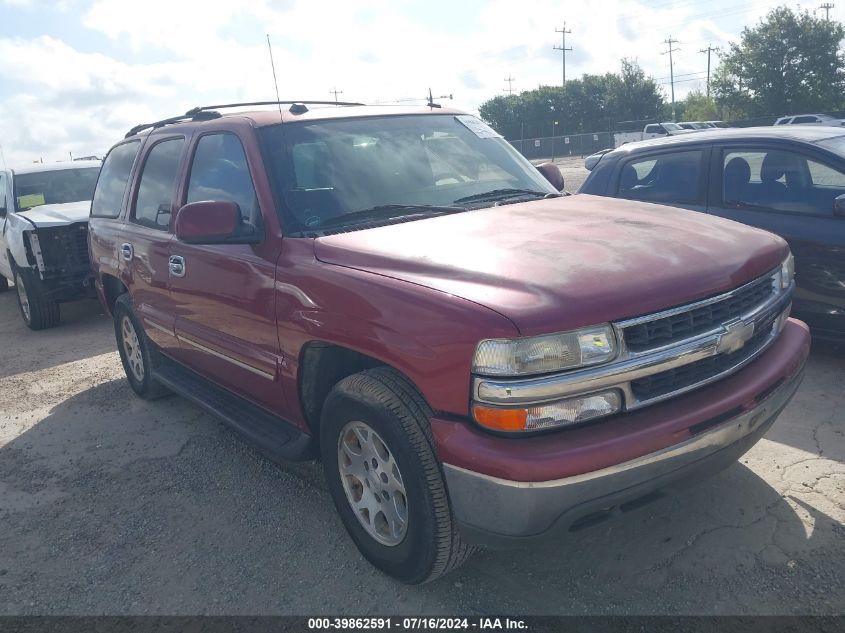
(475, 358)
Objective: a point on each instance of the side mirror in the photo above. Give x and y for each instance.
(839, 206)
(551, 173)
(207, 222)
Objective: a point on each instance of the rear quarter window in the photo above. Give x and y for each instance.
(114, 176)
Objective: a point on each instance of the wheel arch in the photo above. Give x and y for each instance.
(112, 289)
(322, 365)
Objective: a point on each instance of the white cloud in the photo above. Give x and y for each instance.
(60, 99)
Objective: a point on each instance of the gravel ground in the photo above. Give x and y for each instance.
(113, 505)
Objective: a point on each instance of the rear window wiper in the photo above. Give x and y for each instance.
(388, 212)
(496, 194)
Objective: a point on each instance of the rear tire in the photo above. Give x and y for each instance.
(38, 310)
(377, 419)
(138, 355)
(4, 284)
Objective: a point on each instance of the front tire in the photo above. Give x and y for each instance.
(38, 310)
(137, 354)
(384, 477)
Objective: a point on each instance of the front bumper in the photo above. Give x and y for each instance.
(496, 511)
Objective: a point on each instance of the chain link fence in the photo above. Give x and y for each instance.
(567, 145)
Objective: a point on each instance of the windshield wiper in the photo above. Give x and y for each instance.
(388, 212)
(497, 194)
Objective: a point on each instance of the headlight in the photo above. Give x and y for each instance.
(544, 354)
(551, 415)
(787, 272)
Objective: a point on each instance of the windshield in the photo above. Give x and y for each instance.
(54, 187)
(835, 144)
(338, 173)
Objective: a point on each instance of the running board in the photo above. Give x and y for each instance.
(266, 431)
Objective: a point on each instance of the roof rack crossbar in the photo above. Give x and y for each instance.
(198, 109)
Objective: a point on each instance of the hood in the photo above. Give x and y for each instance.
(558, 264)
(47, 215)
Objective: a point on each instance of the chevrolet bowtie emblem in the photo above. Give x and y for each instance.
(735, 336)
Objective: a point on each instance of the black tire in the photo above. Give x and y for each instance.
(147, 355)
(4, 284)
(38, 310)
(385, 401)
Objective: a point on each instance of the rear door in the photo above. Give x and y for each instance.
(144, 251)
(790, 192)
(223, 294)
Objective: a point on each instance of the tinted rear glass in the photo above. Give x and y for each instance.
(114, 177)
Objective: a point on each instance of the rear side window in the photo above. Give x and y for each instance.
(220, 172)
(158, 184)
(780, 180)
(670, 178)
(114, 176)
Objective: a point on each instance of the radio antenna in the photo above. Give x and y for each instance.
(275, 82)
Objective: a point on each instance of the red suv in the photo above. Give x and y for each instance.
(476, 358)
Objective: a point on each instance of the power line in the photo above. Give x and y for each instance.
(510, 81)
(335, 92)
(562, 48)
(669, 51)
(827, 6)
(708, 50)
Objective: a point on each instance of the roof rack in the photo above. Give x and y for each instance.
(199, 109)
(206, 113)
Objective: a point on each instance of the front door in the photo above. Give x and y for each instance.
(791, 194)
(223, 294)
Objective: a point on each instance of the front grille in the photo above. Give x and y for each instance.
(671, 329)
(64, 248)
(665, 382)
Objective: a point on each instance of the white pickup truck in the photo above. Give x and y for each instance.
(44, 236)
(652, 130)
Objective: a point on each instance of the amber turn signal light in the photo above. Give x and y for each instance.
(500, 419)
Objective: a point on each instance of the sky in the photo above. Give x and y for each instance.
(75, 75)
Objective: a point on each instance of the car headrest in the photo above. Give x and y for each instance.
(778, 164)
(629, 178)
(737, 172)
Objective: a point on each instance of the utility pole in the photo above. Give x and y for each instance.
(669, 51)
(708, 50)
(562, 48)
(335, 92)
(510, 81)
(827, 6)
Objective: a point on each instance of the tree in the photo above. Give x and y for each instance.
(699, 107)
(591, 103)
(789, 62)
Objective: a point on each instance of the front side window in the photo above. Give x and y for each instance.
(672, 178)
(114, 176)
(780, 180)
(343, 173)
(158, 184)
(57, 186)
(220, 172)
(805, 119)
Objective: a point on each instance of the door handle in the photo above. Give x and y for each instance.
(126, 251)
(177, 266)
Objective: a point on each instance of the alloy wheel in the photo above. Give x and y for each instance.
(373, 483)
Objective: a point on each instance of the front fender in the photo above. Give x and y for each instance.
(16, 226)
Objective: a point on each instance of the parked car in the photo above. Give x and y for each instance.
(809, 119)
(790, 181)
(719, 124)
(652, 130)
(476, 359)
(694, 125)
(44, 239)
